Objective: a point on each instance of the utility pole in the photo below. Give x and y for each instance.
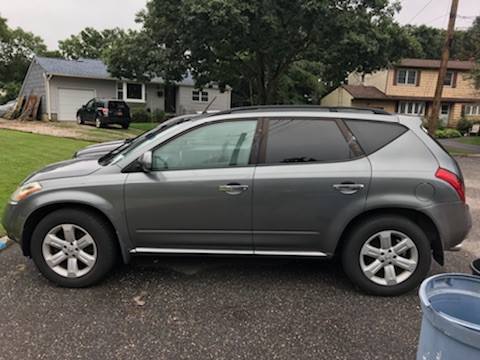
(437, 100)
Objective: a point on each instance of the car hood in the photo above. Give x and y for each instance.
(98, 150)
(65, 169)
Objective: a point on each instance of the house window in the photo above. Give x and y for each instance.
(120, 91)
(132, 92)
(411, 107)
(472, 110)
(448, 81)
(407, 77)
(198, 95)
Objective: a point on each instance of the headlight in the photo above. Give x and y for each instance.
(25, 191)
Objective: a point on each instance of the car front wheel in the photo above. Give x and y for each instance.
(73, 248)
(387, 255)
(79, 119)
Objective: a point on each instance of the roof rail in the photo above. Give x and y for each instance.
(304, 108)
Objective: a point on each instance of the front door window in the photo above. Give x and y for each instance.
(220, 145)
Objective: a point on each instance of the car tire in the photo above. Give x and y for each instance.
(368, 260)
(125, 126)
(103, 249)
(79, 119)
(98, 123)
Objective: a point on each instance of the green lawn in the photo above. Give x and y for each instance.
(143, 126)
(22, 153)
(472, 140)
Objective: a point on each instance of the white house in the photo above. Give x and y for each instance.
(65, 85)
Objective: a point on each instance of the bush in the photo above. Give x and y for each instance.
(447, 133)
(140, 115)
(144, 115)
(464, 125)
(158, 116)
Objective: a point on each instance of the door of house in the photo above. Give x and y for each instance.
(170, 99)
(444, 114)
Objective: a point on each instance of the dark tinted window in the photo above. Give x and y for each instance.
(372, 135)
(298, 141)
(117, 105)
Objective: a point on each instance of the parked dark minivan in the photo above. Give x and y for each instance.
(103, 112)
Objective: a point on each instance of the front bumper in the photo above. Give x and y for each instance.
(13, 221)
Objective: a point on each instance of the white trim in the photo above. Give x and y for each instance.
(406, 83)
(147, 250)
(142, 100)
(47, 79)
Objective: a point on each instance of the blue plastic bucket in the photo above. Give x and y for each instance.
(451, 317)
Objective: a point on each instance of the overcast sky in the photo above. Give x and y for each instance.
(54, 20)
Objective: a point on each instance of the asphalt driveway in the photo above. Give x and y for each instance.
(170, 308)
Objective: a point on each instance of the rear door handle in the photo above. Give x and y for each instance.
(348, 188)
(233, 189)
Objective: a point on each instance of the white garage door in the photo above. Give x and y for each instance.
(70, 100)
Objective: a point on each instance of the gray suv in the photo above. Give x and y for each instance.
(369, 187)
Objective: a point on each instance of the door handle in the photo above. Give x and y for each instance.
(348, 188)
(233, 189)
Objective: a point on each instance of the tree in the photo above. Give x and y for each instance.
(89, 43)
(17, 47)
(258, 42)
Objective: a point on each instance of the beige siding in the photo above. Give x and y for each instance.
(338, 97)
(428, 81)
(185, 104)
(103, 88)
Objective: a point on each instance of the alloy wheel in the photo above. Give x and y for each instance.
(69, 250)
(98, 123)
(79, 119)
(388, 258)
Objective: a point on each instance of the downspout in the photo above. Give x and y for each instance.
(47, 89)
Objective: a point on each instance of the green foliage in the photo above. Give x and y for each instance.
(11, 90)
(89, 43)
(254, 45)
(465, 125)
(17, 48)
(447, 133)
(142, 115)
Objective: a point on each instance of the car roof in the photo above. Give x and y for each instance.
(285, 111)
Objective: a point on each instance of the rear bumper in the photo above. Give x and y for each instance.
(115, 120)
(453, 221)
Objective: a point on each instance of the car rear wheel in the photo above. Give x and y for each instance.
(98, 123)
(125, 126)
(73, 248)
(387, 255)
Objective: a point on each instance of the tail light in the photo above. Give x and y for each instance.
(104, 111)
(453, 180)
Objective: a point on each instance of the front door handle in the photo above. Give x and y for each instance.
(348, 188)
(233, 189)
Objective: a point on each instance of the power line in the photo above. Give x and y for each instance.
(418, 13)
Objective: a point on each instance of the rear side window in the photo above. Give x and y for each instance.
(373, 135)
(301, 141)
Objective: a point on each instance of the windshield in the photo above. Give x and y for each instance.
(131, 144)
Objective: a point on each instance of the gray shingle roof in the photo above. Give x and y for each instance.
(89, 68)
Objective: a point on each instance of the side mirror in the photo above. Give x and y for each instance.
(146, 161)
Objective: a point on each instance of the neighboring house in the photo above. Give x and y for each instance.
(409, 87)
(65, 85)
